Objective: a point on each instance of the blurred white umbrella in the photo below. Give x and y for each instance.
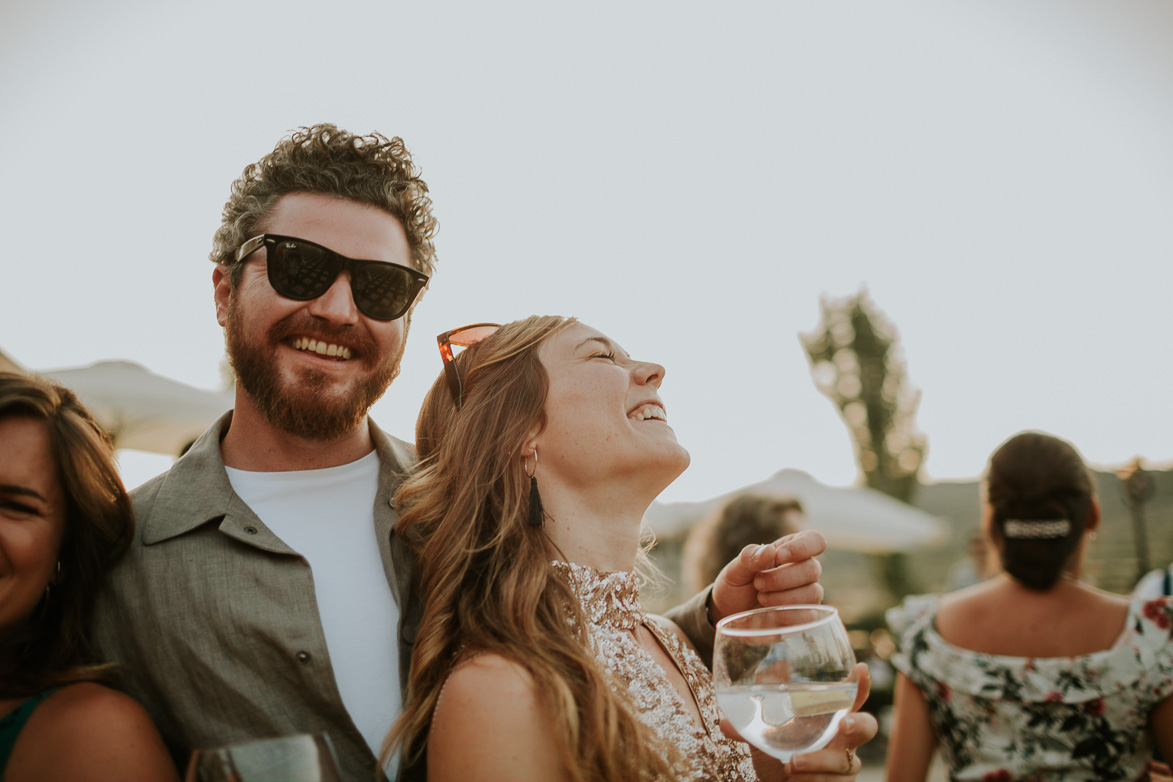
(8, 365)
(850, 518)
(856, 518)
(142, 410)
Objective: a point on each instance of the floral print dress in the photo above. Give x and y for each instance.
(1019, 719)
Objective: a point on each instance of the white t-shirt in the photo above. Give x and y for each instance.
(328, 517)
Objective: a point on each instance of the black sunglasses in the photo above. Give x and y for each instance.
(463, 337)
(303, 271)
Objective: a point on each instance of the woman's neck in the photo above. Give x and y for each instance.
(598, 531)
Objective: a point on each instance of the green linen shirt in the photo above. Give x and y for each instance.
(215, 621)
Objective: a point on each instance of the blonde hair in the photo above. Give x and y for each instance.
(484, 571)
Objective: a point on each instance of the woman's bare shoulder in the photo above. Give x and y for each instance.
(490, 725)
(110, 736)
(90, 707)
(493, 671)
(1070, 619)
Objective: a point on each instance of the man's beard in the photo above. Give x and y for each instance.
(299, 407)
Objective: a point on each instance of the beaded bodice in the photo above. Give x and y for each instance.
(611, 604)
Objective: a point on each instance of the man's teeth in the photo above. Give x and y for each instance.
(322, 348)
(650, 411)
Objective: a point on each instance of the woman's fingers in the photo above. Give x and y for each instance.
(838, 760)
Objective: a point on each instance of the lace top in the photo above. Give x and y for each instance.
(611, 604)
(1016, 718)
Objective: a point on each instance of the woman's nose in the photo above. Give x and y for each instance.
(648, 373)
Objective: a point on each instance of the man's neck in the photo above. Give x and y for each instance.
(254, 444)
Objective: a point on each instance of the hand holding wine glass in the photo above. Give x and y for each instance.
(784, 677)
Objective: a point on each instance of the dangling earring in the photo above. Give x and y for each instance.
(536, 512)
(49, 590)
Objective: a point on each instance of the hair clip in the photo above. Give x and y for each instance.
(1036, 528)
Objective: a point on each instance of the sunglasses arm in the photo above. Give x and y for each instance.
(453, 377)
(249, 247)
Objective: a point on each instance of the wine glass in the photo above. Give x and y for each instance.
(784, 676)
(303, 757)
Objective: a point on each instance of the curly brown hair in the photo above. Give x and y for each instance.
(326, 160)
(54, 648)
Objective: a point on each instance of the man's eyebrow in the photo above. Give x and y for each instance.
(14, 488)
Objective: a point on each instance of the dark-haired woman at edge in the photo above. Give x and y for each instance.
(65, 518)
(1032, 675)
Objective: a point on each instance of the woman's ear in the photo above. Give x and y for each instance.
(529, 457)
(532, 440)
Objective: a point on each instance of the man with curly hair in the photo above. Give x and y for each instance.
(255, 602)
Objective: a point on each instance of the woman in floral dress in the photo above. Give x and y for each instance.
(1032, 675)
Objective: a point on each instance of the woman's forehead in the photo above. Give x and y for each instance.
(578, 336)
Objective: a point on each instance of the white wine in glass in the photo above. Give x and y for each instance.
(304, 757)
(784, 676)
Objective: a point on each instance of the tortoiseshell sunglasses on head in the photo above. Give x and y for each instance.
(463, 337)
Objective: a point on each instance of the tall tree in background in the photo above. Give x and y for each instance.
(856, 363)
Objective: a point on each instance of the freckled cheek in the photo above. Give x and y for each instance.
(575, 433)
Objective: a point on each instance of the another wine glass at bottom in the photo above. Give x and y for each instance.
(784, 676)
(303, 757)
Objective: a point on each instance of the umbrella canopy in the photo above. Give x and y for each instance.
(850, 518)
(143, 410)
(8, 365)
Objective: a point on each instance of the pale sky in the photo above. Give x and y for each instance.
(688, 177)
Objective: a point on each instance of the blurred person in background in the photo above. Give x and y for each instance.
(745, 520)
(1032, 674)
(65, 519)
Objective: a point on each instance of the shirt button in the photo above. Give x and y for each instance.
(304, 657)
(251, 530)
